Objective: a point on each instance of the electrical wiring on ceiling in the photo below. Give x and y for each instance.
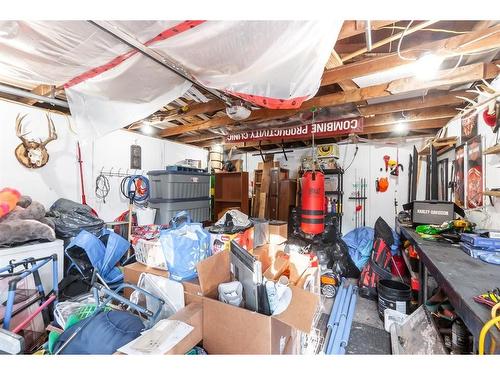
(449, 54)
(428, 29)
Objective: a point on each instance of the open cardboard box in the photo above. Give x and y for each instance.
(131, 273)
(229, 329)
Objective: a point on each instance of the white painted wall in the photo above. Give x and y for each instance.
(60, 177)
(367, 164)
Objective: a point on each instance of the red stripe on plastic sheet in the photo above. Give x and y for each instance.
(271, 103)
(168, 33)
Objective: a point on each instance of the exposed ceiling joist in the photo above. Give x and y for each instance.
(435, 117)
(419, 125)
(351, 28)
(431, 101)
(428, 101)
(465, 74)
(476, 41)
(392, 38)
(43, 90)
(480, 40)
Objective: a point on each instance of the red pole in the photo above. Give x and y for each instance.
(84, 199)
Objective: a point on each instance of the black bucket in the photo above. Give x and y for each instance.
(393, 295)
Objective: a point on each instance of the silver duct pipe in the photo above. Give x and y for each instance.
(29, 95)
(368, 33)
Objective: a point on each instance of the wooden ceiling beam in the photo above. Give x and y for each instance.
(476, 41)
(378, 120)
(44, 90)
(465, 74)
(351, 28)
(411, 116)
(428, 101)
(379, 124)
(392, 38)
(193, 110)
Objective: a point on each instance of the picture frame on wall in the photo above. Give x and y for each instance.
(468, 128)
(475, 173)
(459, 186)
(135, 157)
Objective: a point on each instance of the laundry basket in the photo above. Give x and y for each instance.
(149, 253)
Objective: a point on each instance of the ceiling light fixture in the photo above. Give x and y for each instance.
(401, 127)
(427, 66)
(147, 128)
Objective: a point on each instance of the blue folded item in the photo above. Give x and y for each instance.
(104, 334)
(360, 243)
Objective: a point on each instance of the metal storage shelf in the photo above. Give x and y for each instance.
(339, 172)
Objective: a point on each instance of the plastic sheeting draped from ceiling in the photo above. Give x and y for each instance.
(276, 64)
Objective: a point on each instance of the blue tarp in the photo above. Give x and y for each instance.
(103, 258)
(360, 243)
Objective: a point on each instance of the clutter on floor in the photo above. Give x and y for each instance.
(298, 213)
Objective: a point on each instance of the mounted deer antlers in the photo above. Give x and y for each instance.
(30, 153)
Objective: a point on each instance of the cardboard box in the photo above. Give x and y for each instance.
(229, 329)
(131, 273)
(278, 232)
(267, 253)
(192, 314)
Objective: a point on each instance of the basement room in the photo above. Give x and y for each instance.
(246, 186)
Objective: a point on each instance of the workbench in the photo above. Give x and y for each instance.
(460, 276)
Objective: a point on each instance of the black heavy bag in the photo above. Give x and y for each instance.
(378, 267)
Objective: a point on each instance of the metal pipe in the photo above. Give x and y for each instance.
(155, 56)
(5, 89)
(368, 33)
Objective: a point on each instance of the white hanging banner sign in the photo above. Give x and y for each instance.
(319, 129)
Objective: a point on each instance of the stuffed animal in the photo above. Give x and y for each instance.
(8, 200)
(26, 222)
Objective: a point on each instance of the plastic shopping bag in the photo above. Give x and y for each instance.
(183, 247)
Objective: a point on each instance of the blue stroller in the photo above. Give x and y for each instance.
(94, 258)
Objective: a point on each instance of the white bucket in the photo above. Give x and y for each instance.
(145, 216)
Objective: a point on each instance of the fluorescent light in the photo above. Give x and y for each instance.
(147, 129)
(426, 67)
(401, 127)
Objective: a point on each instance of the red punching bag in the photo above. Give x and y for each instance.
(313, 203)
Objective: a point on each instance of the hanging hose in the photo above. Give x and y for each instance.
(102, 187)
(136, 189)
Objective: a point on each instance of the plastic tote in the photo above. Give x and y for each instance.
(183, 247)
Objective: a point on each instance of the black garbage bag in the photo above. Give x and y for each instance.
(341, 262)
(331, 233)
(70, 218)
